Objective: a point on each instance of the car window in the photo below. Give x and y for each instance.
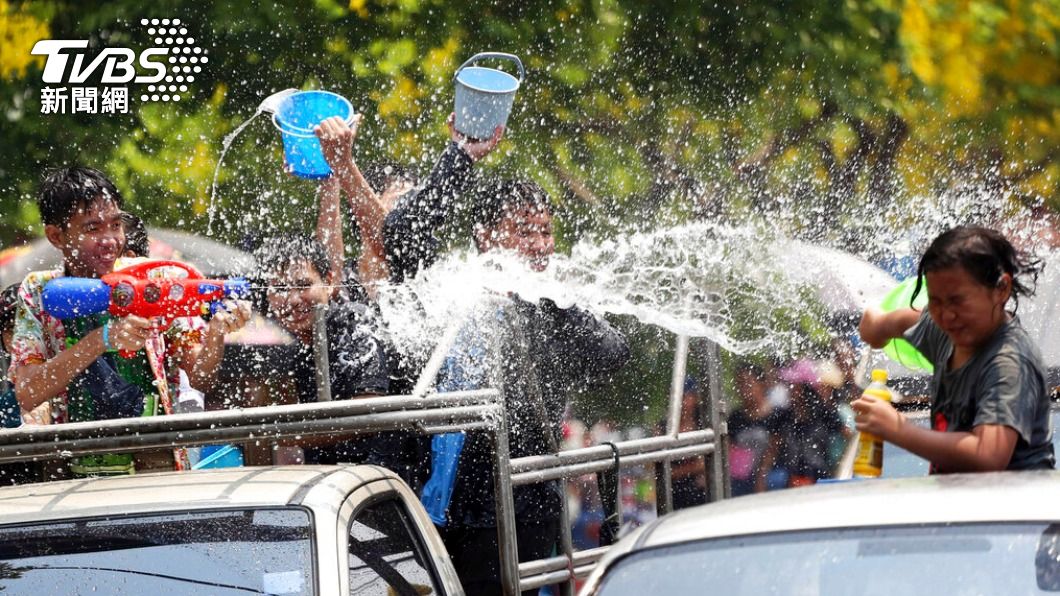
(923, 560)
(387, 555)
(259, 551)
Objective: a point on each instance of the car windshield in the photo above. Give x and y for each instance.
(928, 560)
(256, 551)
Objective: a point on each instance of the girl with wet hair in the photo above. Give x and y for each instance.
(990, 406)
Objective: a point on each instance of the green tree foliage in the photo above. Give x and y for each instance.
(632, 111)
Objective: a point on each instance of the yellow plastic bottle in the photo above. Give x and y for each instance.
(869, 461)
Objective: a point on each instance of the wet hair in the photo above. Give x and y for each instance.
(382, 174)
(498, 197)
(8, 306)
(281, 252)
(64, 191)
(135, 235)
(986, 255)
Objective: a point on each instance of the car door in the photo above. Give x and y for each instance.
(390, 545)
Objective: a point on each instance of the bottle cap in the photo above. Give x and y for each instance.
(879, 375)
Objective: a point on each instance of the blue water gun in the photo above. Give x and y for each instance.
(130, 291)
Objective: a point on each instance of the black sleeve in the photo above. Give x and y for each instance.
(356, 352)
(409, 230)
(587, 341)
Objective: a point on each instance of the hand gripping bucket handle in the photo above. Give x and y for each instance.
(499, 55)
(299, 131)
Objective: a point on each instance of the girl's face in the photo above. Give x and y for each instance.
(965, 309)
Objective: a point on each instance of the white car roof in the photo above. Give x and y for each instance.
(178, 491)
(958, 498)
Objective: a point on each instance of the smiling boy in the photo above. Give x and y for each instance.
(69, 370)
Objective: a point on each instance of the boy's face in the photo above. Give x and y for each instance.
(527, 231)
(91, 240)
(297, 290)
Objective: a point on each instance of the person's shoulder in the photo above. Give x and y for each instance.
(346, 316)
(1016, 345)
(38, 279)
(34, 282)
(342, 309)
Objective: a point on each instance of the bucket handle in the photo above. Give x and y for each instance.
(503, 56)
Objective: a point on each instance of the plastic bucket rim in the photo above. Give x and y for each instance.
(299, 131)
(518, 83)
(302, 132)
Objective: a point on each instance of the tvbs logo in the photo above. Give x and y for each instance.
(167, 68)
(117, 63)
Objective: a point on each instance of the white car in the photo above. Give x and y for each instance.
(329, 530)
(995, 533)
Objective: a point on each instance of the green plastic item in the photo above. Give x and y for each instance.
(900, 350)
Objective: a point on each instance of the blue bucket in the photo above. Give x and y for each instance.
(484, 96)
(295, 117)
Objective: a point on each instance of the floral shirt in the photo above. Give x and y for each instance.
(39, 337)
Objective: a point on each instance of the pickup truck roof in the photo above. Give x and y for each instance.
(185, 491)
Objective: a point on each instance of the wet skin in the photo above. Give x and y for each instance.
(525, 231)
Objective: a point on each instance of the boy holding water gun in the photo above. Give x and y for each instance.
(69, 370)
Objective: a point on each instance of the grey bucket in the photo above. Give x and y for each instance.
(484, 96)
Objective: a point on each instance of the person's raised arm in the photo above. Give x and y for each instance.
(878, 327)
(409, 229)
(329, 229)
(368, 211)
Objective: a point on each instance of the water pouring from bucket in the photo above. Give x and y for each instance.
(484, 96)
(296, 116)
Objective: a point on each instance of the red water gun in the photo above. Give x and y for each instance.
(130, 291)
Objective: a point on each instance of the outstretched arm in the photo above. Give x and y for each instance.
(202, 361)
(37, 383)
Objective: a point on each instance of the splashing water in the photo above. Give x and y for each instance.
(702, 280)
(225, 145)
(268, 106)
(748, 286)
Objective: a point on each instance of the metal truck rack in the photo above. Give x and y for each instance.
(428, 413)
